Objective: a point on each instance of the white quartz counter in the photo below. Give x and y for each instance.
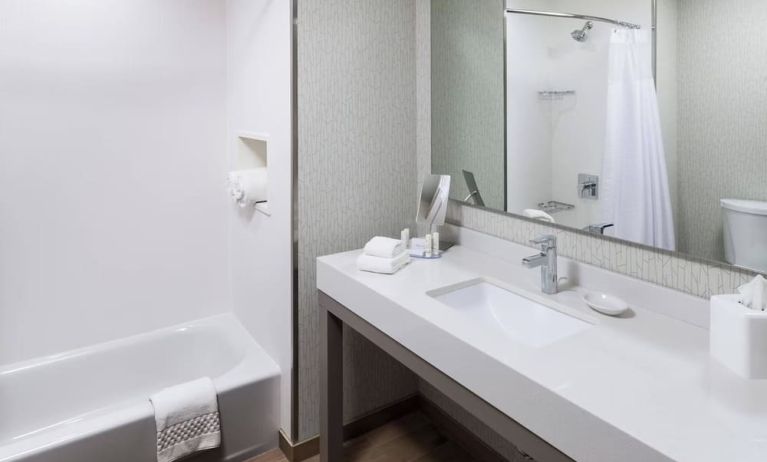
(638, 388)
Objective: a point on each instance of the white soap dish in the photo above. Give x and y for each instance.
(605, 304)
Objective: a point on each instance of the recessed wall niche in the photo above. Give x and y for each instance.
(252, 151)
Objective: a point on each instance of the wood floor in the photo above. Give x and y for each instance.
(411, 438)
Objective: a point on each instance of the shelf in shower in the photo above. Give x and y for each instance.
(555, 206)
(550, 95)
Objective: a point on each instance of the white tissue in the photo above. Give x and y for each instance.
(752, 294)
(248, 187)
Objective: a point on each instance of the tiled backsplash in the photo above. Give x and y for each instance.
(698, 278)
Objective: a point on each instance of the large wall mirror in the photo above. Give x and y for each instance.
(644, 120)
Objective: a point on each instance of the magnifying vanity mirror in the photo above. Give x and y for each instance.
(641, 120)
(432, 205)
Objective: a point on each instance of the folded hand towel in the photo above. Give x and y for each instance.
(382, 265)
(187, 419)
(754, 294)
(384, 247)
(538, 215)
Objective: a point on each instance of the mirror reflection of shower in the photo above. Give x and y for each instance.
(557, 121)
(581, 35)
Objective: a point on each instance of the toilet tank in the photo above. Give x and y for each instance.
(745, 233)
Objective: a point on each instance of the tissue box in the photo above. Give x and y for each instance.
(738, 337)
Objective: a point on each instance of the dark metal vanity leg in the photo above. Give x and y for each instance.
(331, 392)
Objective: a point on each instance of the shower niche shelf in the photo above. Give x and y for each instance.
(554, 95)
(252, 151)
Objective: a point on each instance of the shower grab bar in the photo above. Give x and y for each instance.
(574, 16)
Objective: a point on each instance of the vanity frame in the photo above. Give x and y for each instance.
(333, 316)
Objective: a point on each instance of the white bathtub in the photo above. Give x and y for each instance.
(91, 404)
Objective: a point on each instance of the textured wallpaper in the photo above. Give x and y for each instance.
(467, 95)
(356, 171)
(723, 116)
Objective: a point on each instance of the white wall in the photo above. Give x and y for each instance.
(529, 127)
(115, 118)
(259, 94)
(112, 217)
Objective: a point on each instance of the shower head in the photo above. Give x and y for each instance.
(580, 35)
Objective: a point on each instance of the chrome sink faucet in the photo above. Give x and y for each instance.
(547, 260)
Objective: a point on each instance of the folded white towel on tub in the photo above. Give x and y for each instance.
(187, 419)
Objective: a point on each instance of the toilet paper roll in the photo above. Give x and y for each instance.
(248, 187)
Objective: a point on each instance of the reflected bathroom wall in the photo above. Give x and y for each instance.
(467, 95)
(722, 136)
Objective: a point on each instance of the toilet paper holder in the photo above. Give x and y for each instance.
(250, 178)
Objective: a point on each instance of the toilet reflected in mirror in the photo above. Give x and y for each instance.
(745, 233)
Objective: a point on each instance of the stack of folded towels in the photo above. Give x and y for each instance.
(383, 255)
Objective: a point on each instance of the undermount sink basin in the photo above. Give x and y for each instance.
(524, 320)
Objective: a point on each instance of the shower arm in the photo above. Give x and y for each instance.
(575, 16)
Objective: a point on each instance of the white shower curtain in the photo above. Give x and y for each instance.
(635, 189)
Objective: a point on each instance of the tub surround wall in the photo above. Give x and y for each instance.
(113, 219)
(259, 94)
(114, 216)
(356, 172)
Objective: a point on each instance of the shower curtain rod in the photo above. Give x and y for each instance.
(574, 16)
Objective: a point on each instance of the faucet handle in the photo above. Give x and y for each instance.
(546, 241)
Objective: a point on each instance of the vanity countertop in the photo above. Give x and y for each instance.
(639, 388)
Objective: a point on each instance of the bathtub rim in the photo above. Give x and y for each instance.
(254, 365)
